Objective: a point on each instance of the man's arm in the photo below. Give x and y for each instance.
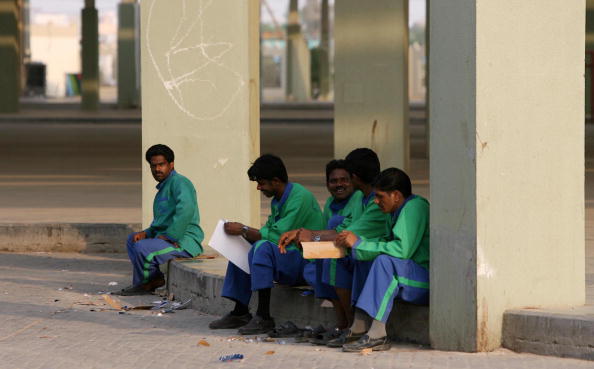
(185, 208)
(237, 229)
(408, 233)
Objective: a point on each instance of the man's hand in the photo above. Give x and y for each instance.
(139, 236)
(233, 228)
(305, 235)
(168, 240)
(346, 239)
(286, 239)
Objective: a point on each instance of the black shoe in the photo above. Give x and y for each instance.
(133, 291)
(376, 344)
(230, 321)
(257, 325)
(347, 336)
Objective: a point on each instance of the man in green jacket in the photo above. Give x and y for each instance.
(175, 231)
(292, 207)
(396, 266)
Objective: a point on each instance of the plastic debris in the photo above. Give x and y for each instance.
(203, 343)
(159, 305)
(269, 352)
(181, 305)
(231, 357)
(112, 284)
(281, 342)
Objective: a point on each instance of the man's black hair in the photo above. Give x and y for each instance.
(268, 167)
(393, 179)
(364, 163)
(336, 164)
(160, 149)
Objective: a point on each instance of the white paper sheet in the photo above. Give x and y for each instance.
(234, 248)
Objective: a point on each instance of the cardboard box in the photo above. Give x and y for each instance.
(322, 250)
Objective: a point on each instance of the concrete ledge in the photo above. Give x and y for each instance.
(202, 280)
(65, 237)
(564, 333)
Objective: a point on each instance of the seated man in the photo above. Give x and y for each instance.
(399, 263)
(292, 207)
(368, 221)
(175, 231)
(341, 208)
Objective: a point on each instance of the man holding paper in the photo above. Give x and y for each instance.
(292, 207)
(369, 222)
(397, 266)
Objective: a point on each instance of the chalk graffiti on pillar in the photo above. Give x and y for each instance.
(187, 60)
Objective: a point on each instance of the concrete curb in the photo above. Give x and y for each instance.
(201, 280)
(564, 334)
(65, 237)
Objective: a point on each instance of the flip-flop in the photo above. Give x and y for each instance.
(286, 330)
(323, 339)
(310, 333)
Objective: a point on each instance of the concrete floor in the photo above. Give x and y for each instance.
(55, 172)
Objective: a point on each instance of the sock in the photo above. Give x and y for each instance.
(360, 322)
(240, 309)
(264, 303)
(377, 330)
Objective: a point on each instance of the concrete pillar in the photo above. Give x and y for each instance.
(506, 164)
(128, 55)
(324, 51)
(298, 80)
(371, 79)
(9, 56)
(200, 96)
(90, 57)
(589, 58)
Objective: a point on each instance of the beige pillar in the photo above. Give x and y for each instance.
(371, 79)
(298, 73)
(324, 61)
(200, 96)
(507, 164)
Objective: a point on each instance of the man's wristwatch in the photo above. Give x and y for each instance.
(316, 237)
(244, 231)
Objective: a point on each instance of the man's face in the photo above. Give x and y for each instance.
(388, 201)
(339, 184)
(160, 168)
(267, 187)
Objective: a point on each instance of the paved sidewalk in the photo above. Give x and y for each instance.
(45, 325)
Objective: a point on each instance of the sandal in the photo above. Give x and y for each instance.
(286, 330)
(327, 336)
(309, 333)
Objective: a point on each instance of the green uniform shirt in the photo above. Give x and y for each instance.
(176, 215)
(297, 208)
(409, 238)
(351, 210)
(371, 224)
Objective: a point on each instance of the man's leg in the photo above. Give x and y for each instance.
(338, 273)
(269, 265)
(388, 278)
(237, 287)
(146, 256)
